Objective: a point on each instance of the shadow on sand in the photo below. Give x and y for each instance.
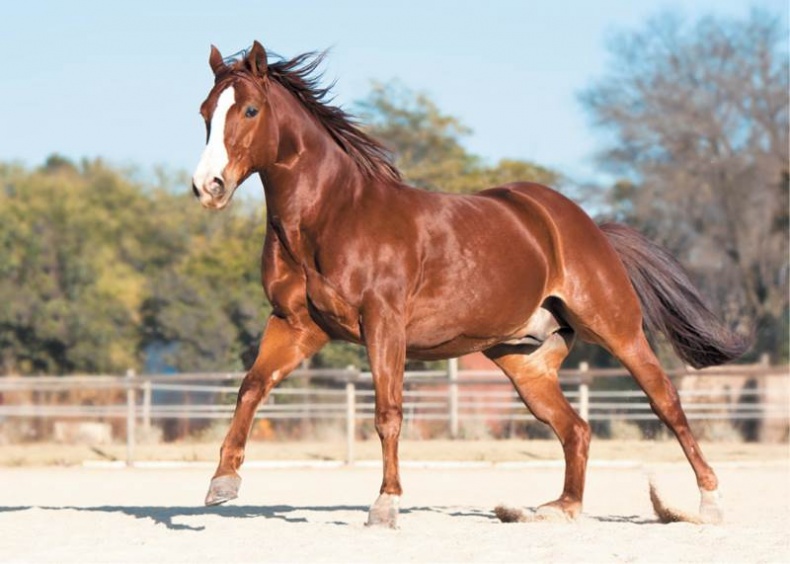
(293, 514)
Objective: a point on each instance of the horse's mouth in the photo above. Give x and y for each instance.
(217, 203)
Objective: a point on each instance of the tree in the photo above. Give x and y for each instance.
(100, 273)
(205, 303)
(428, 145)
(96, 271)
(70, 300)
(698, 121)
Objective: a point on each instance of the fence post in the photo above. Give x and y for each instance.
(351, 413)
(584, 391)
(452, 377)
(131, 420)
(146, 408)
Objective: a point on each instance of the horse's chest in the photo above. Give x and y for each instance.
(295, 287)
(330, 308)
(309, 293)
(284, 280)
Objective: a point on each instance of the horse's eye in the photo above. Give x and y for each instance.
(251, 112)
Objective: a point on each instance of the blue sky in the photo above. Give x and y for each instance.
(124, 81)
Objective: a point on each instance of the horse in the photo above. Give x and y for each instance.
(516, 271)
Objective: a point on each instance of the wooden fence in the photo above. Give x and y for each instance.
(756, 393)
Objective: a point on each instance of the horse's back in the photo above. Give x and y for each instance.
(564, 230)
(560, 222)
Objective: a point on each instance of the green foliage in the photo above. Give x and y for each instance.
(99, 271)
(94, 268)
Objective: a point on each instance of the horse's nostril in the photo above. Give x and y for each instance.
(216, 187)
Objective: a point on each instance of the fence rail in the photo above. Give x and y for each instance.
(758, 393)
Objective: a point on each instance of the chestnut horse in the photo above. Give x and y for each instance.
(353, 253)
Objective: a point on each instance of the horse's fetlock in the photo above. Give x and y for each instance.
(232, 456)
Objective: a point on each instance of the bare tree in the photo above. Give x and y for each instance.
(698, 118)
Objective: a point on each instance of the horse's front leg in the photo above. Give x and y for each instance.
(386, 343)
(283, 346)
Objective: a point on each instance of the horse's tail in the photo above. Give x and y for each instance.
(670, 303)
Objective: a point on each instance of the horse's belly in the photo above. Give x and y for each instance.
(458, 346)
(464, 325)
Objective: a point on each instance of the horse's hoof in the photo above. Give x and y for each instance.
(558, 512)
(710, 510)
(384, 513)
(222, 489)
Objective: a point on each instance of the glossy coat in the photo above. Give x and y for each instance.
(352, 252)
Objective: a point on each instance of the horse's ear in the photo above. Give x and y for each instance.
(216, 62)
(256, 59)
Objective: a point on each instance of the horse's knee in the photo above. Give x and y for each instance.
(253, 387)
(250, 395)
(388, 421)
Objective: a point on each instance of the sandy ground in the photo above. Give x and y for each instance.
(90, 514)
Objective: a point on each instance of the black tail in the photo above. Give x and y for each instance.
(670, 303)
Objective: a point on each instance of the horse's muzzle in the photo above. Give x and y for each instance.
(213, 193)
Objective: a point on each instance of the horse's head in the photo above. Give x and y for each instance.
(236, 112)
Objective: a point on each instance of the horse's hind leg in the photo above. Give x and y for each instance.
(639, 359)
(621, 333)
(535, 375)
(283, 347)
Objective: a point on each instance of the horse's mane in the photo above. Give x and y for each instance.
(299, 76)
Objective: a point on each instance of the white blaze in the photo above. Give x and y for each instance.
(215, 156)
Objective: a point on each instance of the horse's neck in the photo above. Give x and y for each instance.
(297, 205)
(312, 174)
(316, 180)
